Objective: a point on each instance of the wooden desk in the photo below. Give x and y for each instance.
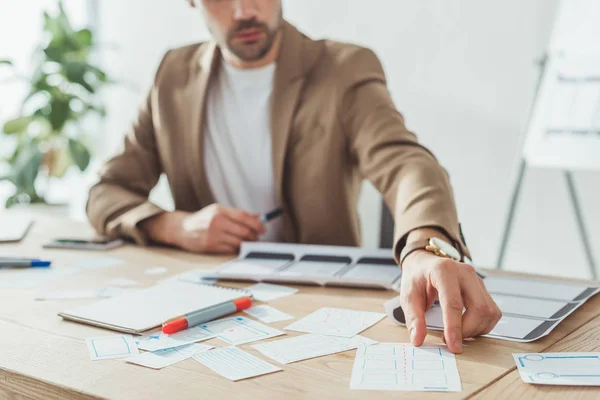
(42, 356)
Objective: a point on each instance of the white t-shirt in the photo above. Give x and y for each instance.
(237, 142)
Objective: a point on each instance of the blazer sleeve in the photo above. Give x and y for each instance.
(413, 184)
(119, 201)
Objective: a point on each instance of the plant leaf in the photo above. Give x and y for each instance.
(80, 154)
(12, 201)
(59, 114)
(16, 125)
(84, 37)
(7, 62)
(26, 169)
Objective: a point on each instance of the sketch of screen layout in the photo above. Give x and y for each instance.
(313, 265)
(531, 308)
(579, 369)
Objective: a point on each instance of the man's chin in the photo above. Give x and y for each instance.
(251, 51)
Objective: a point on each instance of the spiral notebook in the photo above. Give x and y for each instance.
(147, 309)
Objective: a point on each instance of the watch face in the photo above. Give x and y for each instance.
(445, 247)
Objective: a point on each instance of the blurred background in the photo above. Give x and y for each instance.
(463, 73)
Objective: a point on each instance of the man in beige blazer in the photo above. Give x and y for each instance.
(325, 121)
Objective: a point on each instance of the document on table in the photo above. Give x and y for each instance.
(156, 271)
(572, 369)
(109, 347)
(336, 322)
(78, 294)
(269, 292)
(160, 341)
(98, 263)
(267, 314)
(163, 358)
(304, 347)
(240, 330)
(235, 364)
(28, 278)
(123, 282)
(402, 367)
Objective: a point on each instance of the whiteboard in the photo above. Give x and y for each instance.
(564, 131)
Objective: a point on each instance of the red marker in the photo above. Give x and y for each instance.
(209, 314)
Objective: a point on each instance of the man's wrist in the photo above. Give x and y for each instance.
(163, 227)
(419, 235)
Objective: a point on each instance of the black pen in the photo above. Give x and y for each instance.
(271, 215)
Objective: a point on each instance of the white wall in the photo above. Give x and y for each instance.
(461, 71)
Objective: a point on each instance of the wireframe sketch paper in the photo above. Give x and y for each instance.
(156, 271)
(336, 322)
(267, 314)
(402, 367)
(109, 347)
(304, 347)
(160, 341)
(78, 294)
(269, 292)
(240, 330)
(163, 358)
(572, 369)
(235, 364)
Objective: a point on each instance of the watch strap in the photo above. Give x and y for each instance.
(412, 247)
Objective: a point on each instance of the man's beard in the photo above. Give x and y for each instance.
(252, 51)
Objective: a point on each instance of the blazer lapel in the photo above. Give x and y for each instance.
(203, 68)
(297, 55)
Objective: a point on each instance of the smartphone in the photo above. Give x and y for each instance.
(97, 244)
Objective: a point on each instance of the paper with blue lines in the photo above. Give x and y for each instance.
(572, 369)
(403, 367)
(109, 347)
(240, 330)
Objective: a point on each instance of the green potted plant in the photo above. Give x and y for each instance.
(47, 134)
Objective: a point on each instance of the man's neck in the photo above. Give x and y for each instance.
(269, 58)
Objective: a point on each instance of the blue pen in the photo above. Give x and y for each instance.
(25, 264)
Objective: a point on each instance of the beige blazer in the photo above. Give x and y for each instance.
(333, 124)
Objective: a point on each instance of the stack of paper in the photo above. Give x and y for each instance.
(163, 358)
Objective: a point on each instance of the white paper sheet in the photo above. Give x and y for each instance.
(122, 282)
(160, 341)
(267, 314)
(28, 278)
(268, 292)
(109, 347)
(572, 369)
(198, 276)
(156, 271)
(402, 367)
(336, 322)
(98, 263)
(240, 330)
(304, 347)
(235, 364)
(163, 358)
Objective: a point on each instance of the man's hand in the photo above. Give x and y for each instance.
(213, 230)
(427, 278)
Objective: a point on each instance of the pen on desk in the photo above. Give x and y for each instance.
(199, 317)
(271, 215)
(24, 263)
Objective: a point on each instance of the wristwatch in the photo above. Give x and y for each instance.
(434, 245)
